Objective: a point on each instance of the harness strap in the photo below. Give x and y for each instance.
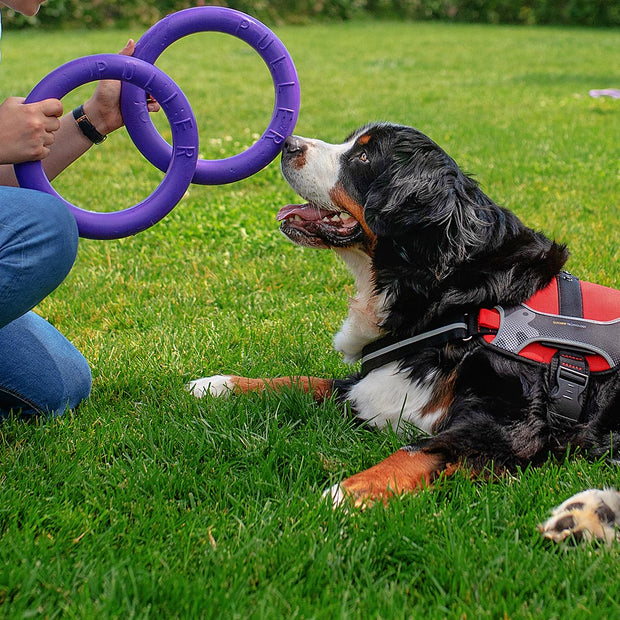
(570, 301)
(389, 349)
(569, 373)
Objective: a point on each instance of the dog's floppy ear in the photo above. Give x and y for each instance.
(423, 195)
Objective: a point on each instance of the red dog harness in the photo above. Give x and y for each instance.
(571, 326)
(534, 328)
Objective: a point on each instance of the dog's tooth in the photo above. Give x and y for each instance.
(345, 216)
(297, 218)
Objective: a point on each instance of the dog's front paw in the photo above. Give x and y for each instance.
(335, 496)
(350, 497)
(217, 385)
(589, 515)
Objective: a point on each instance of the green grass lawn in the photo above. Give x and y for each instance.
(150, 504)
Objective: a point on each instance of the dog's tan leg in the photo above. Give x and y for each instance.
(221, 385)
(319, 388)
(404, 471)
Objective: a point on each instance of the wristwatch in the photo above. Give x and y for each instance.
(86, 127)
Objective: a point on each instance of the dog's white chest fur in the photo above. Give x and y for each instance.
(366, 309)
(387, 397)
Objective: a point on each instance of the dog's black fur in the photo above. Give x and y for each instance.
(437, 244)
(443, 245)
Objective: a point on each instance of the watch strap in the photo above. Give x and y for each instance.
(86, 127)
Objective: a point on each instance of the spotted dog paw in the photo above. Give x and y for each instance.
(590, 515)
(217, 385)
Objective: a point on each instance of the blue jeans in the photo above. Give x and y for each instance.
(41, 372)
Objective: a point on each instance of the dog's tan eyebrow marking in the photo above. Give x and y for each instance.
(365, 139)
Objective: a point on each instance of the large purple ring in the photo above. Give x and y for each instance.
(264, 41)
(179, 169)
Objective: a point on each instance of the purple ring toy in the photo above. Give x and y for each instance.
(181, 167)
(264, 41)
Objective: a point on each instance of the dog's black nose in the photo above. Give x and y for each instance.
(294, 146)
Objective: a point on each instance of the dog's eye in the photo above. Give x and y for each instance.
(363, 157)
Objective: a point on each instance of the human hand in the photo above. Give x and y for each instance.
(103, 108)
(27, 130)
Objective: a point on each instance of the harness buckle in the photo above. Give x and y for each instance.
(569, 383)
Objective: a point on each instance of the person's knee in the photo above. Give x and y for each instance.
(41, 372)
(61, 393)
(72, 388)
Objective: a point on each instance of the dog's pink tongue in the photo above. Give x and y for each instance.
(308, 212)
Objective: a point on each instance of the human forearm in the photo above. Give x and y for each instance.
(70, 145)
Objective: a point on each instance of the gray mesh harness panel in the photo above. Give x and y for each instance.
(520, 326)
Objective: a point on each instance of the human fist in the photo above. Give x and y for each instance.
(27, 130)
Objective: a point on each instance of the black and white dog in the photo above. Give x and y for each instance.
(465, 323)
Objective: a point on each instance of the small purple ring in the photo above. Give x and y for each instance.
(179, 170)
(264, 41)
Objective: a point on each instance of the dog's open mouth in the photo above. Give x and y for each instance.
(313, 226)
